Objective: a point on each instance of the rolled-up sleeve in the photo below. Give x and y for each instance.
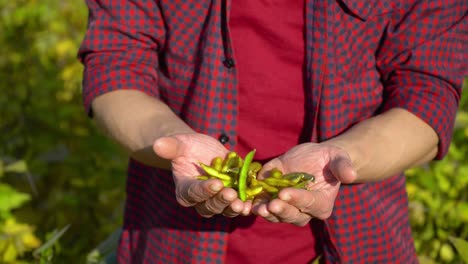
(423, 61)
(120, 47)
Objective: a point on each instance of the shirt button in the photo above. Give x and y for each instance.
(228, 63)
(223, 138)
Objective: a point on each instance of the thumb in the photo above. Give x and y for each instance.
(342, 169)
(167, 147)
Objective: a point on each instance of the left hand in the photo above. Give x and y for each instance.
(330, 166)
(208, 197)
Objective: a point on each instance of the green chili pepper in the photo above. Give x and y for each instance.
(243, 175)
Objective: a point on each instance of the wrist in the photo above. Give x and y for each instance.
(355, 152)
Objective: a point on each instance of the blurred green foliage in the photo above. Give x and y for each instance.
(438, 196)
(15, 238)
(76, 177)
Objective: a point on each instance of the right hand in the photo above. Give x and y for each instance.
(208, 197)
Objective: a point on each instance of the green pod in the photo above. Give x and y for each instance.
(301, 185)
(299, 176)
(253, 182)
(276, 173)
(223, 176)
(214, 173)
(274, 195)
(304, 176)
(268, 188)
(232, 155)
(308, 177)
(229, 184)
(254, 168)
(277, 182)
(243, 175)
(234, 171)
(294, 177)
(202, 177)
(252, 191)
(232, 161)
(217, 163)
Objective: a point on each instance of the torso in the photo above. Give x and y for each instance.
(268, 39)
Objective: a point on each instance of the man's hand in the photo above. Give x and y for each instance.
(208, 197)
(329, 164)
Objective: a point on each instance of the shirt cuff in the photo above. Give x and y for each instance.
(433, 101)
(110, 71)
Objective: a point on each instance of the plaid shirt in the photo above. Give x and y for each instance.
(362, 58)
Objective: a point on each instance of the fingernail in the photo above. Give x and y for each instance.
(215, 187)
(236, 209)
(285, 197)
(226, 199)
(264, 213)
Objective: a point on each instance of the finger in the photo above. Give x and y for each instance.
(167, 147)
(287, 213)
(235, 208)
(260, 208)
(314, 203)
(259, 203)
(342, 168)
(247, 208)
(218, 203)
(191, 192)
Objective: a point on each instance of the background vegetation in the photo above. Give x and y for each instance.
(58, 175)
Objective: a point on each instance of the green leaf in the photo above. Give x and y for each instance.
(425, 260)
(94, 257)
(105, 248)
(17, 167)
(461, 246)
(11, 198)
(462, 210)
(50, 243)
(446, 253)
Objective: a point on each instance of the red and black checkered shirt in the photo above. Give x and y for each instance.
(362, 58)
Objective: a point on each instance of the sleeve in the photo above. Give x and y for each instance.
(423, 61)
(120, 47)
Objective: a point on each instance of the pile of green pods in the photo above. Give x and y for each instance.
(241, 175)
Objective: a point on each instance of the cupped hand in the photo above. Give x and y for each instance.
(330, 166)
(208, 197)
